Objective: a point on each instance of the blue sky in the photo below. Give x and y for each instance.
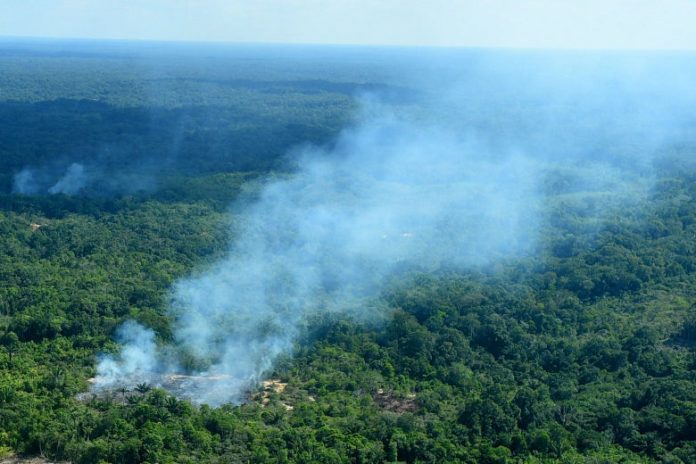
(617, 24)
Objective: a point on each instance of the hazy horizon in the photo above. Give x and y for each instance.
(497, 24)
(45, 40)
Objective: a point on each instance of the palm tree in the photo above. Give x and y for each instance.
(143, 388)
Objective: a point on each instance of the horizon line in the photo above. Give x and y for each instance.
(342, 44)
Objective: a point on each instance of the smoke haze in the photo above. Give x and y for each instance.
(458, 181)
(388, 194)
(79, 179)
(72, 181)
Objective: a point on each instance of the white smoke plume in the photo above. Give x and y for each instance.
(52, 180)
(137, 359)
(420, 190)
(89, 178)
(72, 182)
(389, 194)
(25, 182)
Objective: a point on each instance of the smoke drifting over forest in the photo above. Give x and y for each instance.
(458, 181)
(388, 195)
(86, 179)
(30, 181)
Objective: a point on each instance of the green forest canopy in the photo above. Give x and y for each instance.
(583, 352)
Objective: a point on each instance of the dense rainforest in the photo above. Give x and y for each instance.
(581, 351)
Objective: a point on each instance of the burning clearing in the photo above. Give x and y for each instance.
(395, 403)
